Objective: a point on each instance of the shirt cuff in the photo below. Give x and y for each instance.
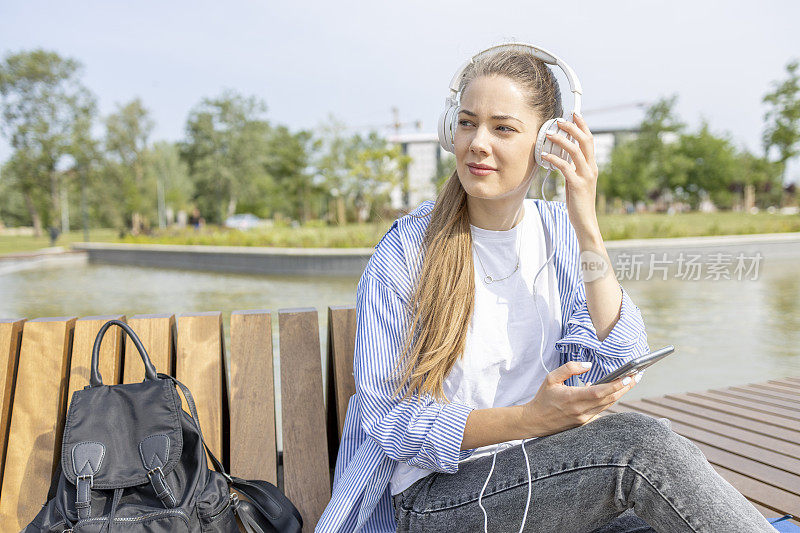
(621, 339)
(450, 432)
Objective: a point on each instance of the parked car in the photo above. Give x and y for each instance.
(243, 221)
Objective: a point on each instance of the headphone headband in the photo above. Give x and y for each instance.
(539, 53)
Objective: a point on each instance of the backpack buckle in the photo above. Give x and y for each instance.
(162, 489)
(83, 495)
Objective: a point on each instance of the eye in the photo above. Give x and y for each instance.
(464, 123)
(507, 128)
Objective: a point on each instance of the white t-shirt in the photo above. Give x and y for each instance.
(501, 365)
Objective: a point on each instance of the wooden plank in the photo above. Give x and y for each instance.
(157, 333)
(754, 446)
(252, 397)
(757, 491)
(10, 343)
(306, 476)
(768, 392)
(770, 513)
(755, 426)
(786, 382)
(754, 397)
(742, 434)
(110, 364)
(37, 421)
(341, 347)
(723, 407)
(756, 407)
(200, 366)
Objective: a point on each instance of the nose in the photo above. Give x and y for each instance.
(480, 141)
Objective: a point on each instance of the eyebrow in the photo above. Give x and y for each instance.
(495, 117)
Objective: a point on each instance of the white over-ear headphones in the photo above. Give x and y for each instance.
(448, 119)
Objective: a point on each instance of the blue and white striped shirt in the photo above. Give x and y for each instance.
(381, 430)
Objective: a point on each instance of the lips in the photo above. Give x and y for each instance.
(480, 170)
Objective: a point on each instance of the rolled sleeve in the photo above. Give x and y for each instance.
(417, 430)
(626, 340)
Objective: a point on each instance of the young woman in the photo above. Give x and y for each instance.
(467, 415)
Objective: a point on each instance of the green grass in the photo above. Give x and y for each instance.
(614, 227)
(14, 243)
(656, 225)
(310, 236)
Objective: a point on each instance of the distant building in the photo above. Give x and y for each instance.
(425, 154)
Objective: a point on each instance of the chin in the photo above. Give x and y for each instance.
(487, 188)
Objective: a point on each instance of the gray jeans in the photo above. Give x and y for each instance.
(624, 472)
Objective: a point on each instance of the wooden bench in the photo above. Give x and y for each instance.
(751, 434)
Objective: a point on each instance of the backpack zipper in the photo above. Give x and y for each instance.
(133, 520)
(232, 500)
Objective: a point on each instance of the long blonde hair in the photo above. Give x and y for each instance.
(443, 297)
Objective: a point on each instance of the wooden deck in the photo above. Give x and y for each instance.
(749, 433)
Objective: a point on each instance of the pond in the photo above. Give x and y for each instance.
(725, 332)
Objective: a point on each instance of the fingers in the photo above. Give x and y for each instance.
(586, 141)
(582, 153)
(608, 391)
(565, 371)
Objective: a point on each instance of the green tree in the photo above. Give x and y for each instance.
(173, 186)
(376, 167)
(294, 190)
(332, 158)
(43, 100)
(358, 171)
(641, 167)
(127, 141)
(445, 166)
(782, 129)
(226, 149)
(704, 163)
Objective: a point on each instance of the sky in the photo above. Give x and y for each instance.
(357, 60)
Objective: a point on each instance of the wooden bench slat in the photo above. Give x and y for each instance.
(757, 491)
(157, 333)
(733, 420)
(755, 407)
(723, 407)
(767, 392)
(789, 384)
(306, 474)
(341, 348)
(769, 513)
(10, 344)
(760, 399)
(200, 366)
(734, 439)
(37, 421)
(252, 397)
(110, 364)
(773, 387)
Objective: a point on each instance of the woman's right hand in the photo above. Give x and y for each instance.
(558, 407)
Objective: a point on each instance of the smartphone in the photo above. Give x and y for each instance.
(639, 363)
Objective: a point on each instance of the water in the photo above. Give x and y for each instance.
(725, 332)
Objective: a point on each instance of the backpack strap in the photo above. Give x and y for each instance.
(268, 506)
(193, 410)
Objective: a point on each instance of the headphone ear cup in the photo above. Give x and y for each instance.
(447, 128)
(543, 144)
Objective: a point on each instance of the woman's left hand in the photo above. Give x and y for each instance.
(580, 175)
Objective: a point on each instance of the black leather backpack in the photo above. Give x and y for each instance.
(133, 461)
